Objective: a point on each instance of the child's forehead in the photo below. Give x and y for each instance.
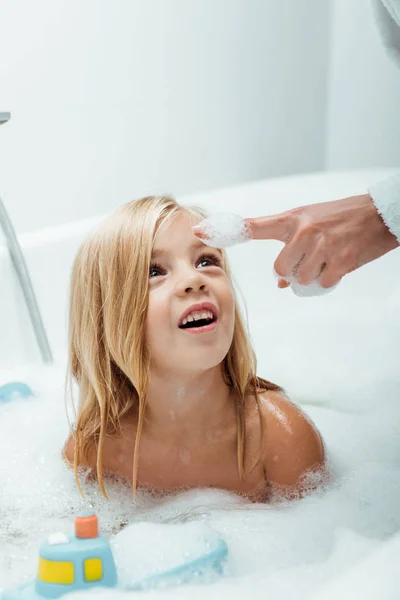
(176, 236)
(175, 231)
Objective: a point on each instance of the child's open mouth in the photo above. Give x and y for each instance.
(200, 325)
(199, 318)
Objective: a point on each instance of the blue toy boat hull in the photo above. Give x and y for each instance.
(211, 562)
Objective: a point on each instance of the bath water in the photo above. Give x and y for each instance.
(276, 551)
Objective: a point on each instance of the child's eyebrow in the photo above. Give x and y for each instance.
(195, 246)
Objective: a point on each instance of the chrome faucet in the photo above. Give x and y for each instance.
(17, 258)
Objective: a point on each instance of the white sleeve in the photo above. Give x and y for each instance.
(386, 197)
(387, 13)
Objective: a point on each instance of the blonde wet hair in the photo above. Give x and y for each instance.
(108, 356)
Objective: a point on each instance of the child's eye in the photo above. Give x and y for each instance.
(207, 260)
(155, 270)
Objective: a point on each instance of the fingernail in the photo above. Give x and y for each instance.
(198, 231)
(283, 284)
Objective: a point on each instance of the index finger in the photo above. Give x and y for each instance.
(275, 227)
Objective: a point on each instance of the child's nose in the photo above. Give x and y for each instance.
(191, 282)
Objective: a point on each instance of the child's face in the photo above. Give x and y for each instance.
(184, 272)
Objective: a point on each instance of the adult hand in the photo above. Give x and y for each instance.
(326, 240)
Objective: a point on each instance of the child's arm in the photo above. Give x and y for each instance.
(294, 454)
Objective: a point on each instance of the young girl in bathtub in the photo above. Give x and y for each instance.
(169, 396)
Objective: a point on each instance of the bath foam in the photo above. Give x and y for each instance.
(275, 550)
(162, 554)
(312, 289)
(222, 230)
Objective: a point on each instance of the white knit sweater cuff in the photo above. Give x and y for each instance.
(386, 197)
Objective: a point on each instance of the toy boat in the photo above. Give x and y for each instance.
(85, 560)
(79, 562)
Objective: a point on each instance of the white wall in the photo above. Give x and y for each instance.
(111, 100)
(363, 112)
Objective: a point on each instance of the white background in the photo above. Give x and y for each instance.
(363, 113)
(112, 100)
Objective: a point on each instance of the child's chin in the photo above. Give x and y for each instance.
(203, 360)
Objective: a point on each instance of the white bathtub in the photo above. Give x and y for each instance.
(49, 254)
(337, 355)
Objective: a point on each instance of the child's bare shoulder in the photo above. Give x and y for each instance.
(292, 444)
(115, 453)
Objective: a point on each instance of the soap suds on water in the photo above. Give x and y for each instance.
(274, 548)
(158, 548)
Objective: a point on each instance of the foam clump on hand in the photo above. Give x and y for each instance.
(223, 230)
(312, 289)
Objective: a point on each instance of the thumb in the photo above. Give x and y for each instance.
(275, 227)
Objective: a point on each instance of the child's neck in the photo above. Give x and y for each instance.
(188, 406)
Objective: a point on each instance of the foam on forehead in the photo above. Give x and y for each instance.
(224, 229)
